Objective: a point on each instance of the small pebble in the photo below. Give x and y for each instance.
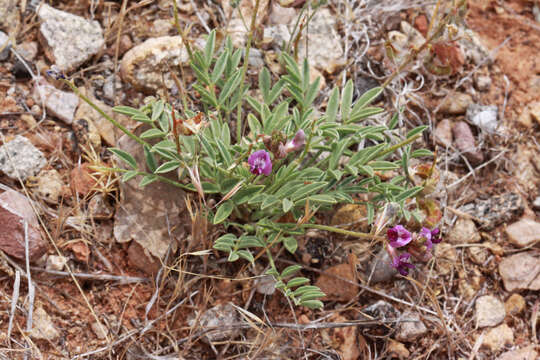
(489, 311)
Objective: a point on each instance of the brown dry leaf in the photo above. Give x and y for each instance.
(449, 54)
(80, 250)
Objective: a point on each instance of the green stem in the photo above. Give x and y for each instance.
(143, 173)
(356, 234)
(400, 144)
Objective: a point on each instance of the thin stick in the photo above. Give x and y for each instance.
(14, 298)
(100, 277)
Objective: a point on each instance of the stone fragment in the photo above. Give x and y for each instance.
(443, 133)
(465, 142)
(485, 117)
(527, 353)
(325, 50)
(57, 102)
(19, 158)
(99, 208)
(380, 268)
(410, 328)
(56, 262)
(146, 216)
(463, 232)
(489, 311)
(146, 65)
(514, 304)
(42, 326)
(381, 311)
(265, 285)
(397, 350)
(336, 289)
(69, 40)
(142, 259)
(281, 15)
(161, 27)
(15, 210)
(482, 82)
(82, 181)
(536, 203)
(221, 318)
(28, 50)
(456, 104)
(495, 210)
(520, 271)
(100, 330)
(473, 48)
(9, 16)
(524, 233)
(48, 185)
(4, 46)
(343, 339)
(478, 254)
(236, 27)
(534, 111)
(498, 338)
(446, 256)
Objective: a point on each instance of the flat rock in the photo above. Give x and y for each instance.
(236, 28)
(325, 50)
(464, 232)
(536, 203)
(446, 256)
(56, 262)
(456, 104)
(142, 260)
(523, 233)
(495, 210)
(489, 311)
(15, 209)
(9, 15)
(465, 142)
(144, 64)
(336, 289)
(521, 271)
(381, 311)
(527, 353)
(48, 185)
(59, 103)
(281, 15)
(411, 328)
(498, 338)
(485, 117)
(220, 317)
(443, 133)
(4, 46)
(42, 326)
(19, 158)
(514, 304)
(142, 214)
(380, 268)
(69, 40)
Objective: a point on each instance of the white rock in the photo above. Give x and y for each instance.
(520, 271)
(58, 103)
(411, 328)
(4, 46)
(236, 27)
(56, 262)
(221, 317)
(464, 232)
(266, 285)
(483, 82)
(489, 311)
(69, 40)
(499, 337)
(48, 185)
(43, 327)
(527, 353)
(485, 117)
(19, 157)
(524, 232)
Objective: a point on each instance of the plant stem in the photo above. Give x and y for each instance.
(143, 173)
(398, 145)
(356, 234)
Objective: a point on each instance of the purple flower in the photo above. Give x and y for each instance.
(431, 236)
(260, 163)
(398, 236)
(295, 144)
(402, 264)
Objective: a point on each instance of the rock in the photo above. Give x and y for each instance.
(527, 353)
(161, 27)
(465, 142)
(15, 209)
(55, 262)
(265, 285)
(446, 256)
(469, 286)
(142, 215)
(9, 15)
(515, 304)
(485, 117)
(235, 26)
(482, 82)
(142, 260)
(397, 350)
(20, 70)
(534, 110)
(281, 15)
(277, 35)
(520, 271)
(48, 185)
(474, 49)
(42, 326)
(100, 330)
(325, 50)
(456, 104)
(463, 232)
(414, 37)
(410, 328)
(478, 254)
(220, 317)
(536, 203)
(351, 216)
(19, 158)
(498, 338)
(529, 114)
(5, 46)
(144, 65)
(443, 133)
(343, 339)
(382, 311)
(336, 289)
(523, 233)
(87, 134)
(28, 50)
(99, 208)
(495, 210)
(82, 182)
(489, 311)
(58, 103)
(255, 58)
(380, 268)
(69, 40)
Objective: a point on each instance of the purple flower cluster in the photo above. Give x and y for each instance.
(293, 145)
(419, 245)
(260, 163)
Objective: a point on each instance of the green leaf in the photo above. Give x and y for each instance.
(254, 124)
(209, 48)
(223, 212)
(305, 289)
(370, 212)
(219, 67)
(312, 92)
(245, 193)
(124, 156)
(312, 304)
(127, 110)
(297, 281)
(233, 256)
(367, 98)
(165, 122)
(225, 154)
(157, 109)
(416, 130)
(289, 270)
(394, 121)
(346, 100)
(287, 205)
(246, 255)
(210, 188)
(421, 153)
(383, 165)
(248, 241)
(150, 160)
(264, 84)
(364, 113)
(147, 179)
(408, 193)
(333, 105)
(230, 86)
(307, 190)
(290, 244)
(152, 133)
(129, 175)
(268, 201)
(168, 166)
(322, 199)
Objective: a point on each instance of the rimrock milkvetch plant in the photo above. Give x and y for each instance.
(286, 163)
